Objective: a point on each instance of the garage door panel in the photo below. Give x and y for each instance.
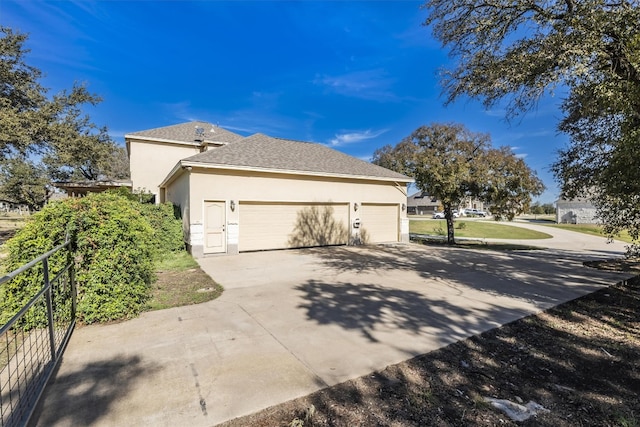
(379, 222)
(292, 225)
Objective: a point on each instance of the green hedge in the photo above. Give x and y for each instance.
(115, 242)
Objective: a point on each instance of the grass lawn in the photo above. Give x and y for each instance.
(181, 282)
(476, 229)
(593, 229)
(9, 224)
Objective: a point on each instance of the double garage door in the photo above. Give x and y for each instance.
(268, 225)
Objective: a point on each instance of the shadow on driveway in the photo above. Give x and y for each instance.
(419, 289)
(373, 308)
(86, 395)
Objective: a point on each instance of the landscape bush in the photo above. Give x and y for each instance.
(164, 219)
(33, 240)
(168, 234)
(114, 242)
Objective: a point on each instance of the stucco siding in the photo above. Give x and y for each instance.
(247, 186)
(151, 162)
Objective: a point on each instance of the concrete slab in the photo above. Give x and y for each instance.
(292, 322)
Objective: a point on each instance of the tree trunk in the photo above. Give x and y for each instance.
(448, 215)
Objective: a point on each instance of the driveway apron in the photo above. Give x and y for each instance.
(292, 322)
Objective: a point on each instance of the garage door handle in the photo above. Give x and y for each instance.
(223, 228)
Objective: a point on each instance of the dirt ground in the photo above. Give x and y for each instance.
(580, 361)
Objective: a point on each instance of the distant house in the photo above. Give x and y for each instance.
(575, 211)
(239, 194)
(421, 203)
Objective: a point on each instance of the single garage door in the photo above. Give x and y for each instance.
(379, 222)
(267, 225)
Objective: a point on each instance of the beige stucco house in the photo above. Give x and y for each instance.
(251, 193)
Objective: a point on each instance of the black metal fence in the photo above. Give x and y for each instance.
(32, 342)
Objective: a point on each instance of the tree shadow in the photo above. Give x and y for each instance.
(543, 277)
(86, 395)
(578, 359)
(371, 308)
(369, 258)
(318, 227)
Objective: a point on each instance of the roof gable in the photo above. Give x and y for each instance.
(186, 133)
(276, 154)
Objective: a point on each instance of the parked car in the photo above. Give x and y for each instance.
(440, 215)
(474, 212)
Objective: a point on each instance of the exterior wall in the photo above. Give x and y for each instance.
(150, 162)
(578, 212)
(178, 194)
(238, 186)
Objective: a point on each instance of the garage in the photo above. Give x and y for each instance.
(238, 194)
(270, 225)
(379, 222)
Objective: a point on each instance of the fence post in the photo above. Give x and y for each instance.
(49, 300)
(72, 280)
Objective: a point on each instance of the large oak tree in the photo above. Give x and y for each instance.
(43, 137)
(451, 163)
(515, 51)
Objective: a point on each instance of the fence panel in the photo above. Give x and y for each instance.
(32, 342)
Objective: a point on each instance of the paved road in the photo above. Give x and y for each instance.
(569, 240)
(292, 322)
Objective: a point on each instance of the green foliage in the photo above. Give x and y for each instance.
(33, 240)
(167, 227)
(549, 208)
(25, 181)
(115, 252)
(536, 209)
(53, 129)
(443, 160)
(544, 209)
(115, 242)
(451, 163)
(509, 184)
(519, 50)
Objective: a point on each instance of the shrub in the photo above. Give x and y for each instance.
(167, 227)
(164, 219)
(114, 249)
(33, 240)
(115, 253)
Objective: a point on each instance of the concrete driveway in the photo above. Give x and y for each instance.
(292, 322)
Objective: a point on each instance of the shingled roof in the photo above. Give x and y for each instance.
(263, 152)
(186, 132)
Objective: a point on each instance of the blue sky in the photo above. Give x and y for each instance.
(354, 75)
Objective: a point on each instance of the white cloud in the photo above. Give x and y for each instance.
(369, 84)
(352, 137)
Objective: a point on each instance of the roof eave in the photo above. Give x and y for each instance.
(141, 138)
(184, 164)
(179, 167)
